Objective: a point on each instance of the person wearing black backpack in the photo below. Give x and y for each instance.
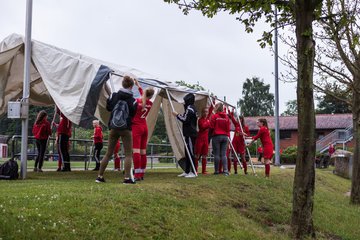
(123, 106)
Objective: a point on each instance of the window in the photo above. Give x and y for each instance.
(285, 134)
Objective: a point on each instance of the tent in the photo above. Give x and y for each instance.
(79, 85)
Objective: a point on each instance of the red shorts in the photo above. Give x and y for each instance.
(201, 147)
(139, 135)
(239, 145)
(268, 152)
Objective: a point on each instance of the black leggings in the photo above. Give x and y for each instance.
(190, 143)
(96, 153)
(41, 147)
(64, 150)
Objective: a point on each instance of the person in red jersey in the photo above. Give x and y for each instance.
(63, 136)
(265, 138)
(98, 143)
(241, 131)
(202, 140)
(41, 131)
(117, 162)
(220, 124)
(140, 131)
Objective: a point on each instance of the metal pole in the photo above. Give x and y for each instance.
(277, 131)
(182, 136)
(26, 90)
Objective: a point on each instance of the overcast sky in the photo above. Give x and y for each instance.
(154, 37)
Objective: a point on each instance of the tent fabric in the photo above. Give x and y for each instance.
(79, 85)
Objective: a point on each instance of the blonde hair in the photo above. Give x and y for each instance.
(219, 107)
(97, 122)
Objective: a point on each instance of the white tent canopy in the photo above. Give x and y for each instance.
(79, 85)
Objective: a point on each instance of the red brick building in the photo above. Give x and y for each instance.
(325, 124)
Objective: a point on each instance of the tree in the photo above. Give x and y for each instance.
(330, 105)
(192, 86)
(257, 101)
(291, 108)
(303, 13)
(338, 62)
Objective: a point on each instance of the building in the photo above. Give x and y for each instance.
(330, 128)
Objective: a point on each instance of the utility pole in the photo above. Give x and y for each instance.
(26, 91)
(277, 130)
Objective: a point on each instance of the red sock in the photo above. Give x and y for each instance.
(203, 165)
(137, 165)
(244, 166)
(196, 163)
(143, 164)
(235, 165)
(117, 163)
(267, 170)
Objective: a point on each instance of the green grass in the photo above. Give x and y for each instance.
(54, 205)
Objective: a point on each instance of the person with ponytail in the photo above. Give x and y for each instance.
(264, 135)
(41, 131)
(241, 131)
(140, 131)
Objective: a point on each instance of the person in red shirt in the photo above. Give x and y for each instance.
(264, 135)
(41, 131)
(63, 136)
(140, 131)
(202, 140)
(98, 143)
(241, 131)
(220, 124)
(331, 149)
(117, 162)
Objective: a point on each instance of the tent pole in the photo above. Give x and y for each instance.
(26, 91)
(181, 133)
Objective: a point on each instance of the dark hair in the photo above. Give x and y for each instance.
(127, 82)
(41, 115)
(264, 122)
(242, 121)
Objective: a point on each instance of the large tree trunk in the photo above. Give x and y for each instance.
(355, 181)
(304, 181)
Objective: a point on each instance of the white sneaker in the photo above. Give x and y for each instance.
(183, 174)
(190, 175)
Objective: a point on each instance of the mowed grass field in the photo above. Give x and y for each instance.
(70, 205)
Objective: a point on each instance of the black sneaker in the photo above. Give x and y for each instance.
(142, 178)
(129, 181)
(100, 180)
(138, 179)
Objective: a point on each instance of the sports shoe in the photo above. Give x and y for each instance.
(138, 179)
(184, 174)
(40, 170)
(190, 175)
(129, 181)
(35, 169)
(226, 174)
(100, 180)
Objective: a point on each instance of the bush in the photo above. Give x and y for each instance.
(288, 156)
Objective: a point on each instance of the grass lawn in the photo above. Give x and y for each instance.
(70, 205)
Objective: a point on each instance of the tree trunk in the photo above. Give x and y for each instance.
(355, 181)
(304, 181)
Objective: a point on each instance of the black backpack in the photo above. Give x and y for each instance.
(9, 170)
(119, 116)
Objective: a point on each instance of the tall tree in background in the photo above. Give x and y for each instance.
(257, 100)
(291, 108)
(302, 13)
(338, 62)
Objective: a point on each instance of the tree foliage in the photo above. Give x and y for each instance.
(291, 108)
(257, 100)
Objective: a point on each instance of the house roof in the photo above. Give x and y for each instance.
(323, 121)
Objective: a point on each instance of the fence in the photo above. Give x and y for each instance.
(80, 150)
